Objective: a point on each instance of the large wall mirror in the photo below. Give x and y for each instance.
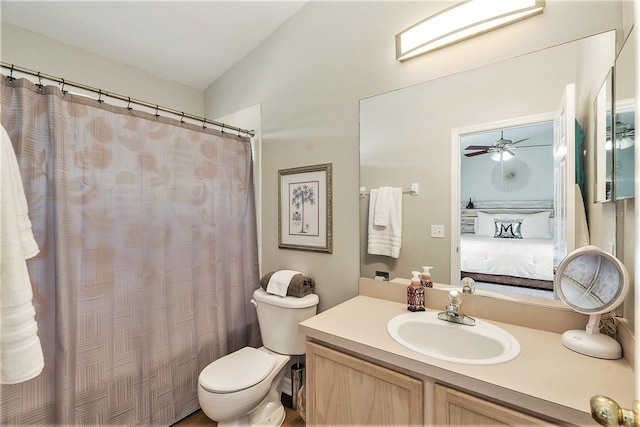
(420, 134)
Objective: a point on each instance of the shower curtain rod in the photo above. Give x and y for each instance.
(127, 99)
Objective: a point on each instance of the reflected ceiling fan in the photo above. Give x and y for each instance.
(625, 136)
(501, 149)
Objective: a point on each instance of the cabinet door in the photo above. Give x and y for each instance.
(345, 390)
(455, 408)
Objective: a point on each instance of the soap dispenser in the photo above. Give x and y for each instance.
(425, 279)
(415, 293)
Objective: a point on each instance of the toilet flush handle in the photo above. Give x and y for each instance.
(254, 302)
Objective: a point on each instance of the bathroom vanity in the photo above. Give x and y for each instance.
(357, 374)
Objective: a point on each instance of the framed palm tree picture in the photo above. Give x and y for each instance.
(304, 211)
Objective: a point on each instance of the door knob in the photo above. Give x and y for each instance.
(607, 412)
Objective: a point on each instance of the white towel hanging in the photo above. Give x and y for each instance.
(386, 240)
(21, 355)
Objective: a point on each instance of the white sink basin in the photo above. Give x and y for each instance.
(481, 344)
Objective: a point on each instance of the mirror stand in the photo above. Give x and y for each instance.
(593, 282)
(591, 342)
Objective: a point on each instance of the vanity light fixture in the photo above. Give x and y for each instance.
(460, 22)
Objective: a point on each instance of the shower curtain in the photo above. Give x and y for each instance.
(148, 257)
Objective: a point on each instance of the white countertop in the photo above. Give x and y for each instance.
(546, 377)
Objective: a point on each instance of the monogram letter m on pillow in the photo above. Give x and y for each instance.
(508, 229)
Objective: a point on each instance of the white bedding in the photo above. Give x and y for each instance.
(529, 258)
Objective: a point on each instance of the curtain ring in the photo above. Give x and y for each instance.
(129, 103)
(157, 115)
(40, 86)
(64, 92)
(182, 118)
(100, 96)
(204, 123)
(223, 128)
(11, 78)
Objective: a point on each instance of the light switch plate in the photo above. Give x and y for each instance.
(437, 231)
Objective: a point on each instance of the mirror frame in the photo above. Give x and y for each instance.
(623, 288)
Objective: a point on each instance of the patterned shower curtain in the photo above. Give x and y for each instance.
(148, 257)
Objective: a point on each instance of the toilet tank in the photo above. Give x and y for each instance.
(279, 317)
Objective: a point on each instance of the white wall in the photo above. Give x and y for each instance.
(30, 50)
(309, 77)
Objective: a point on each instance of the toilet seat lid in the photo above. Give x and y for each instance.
(237, 371)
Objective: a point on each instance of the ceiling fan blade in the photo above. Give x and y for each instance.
(520, 140)
(479, 147)
(477, 153)
(510, 152)
(530, 146)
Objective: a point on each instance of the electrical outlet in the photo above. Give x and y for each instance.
(437, 231)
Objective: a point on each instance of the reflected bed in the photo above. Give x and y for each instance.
(521, 262)
(508, 245)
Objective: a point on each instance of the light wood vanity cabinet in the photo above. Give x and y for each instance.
(345, 390)
(455, 408)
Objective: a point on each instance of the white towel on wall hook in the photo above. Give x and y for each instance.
(382, 209)
(21, 355)
(385, 239)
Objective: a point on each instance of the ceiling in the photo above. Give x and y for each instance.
(189, 42)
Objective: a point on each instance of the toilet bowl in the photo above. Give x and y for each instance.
(243, 388)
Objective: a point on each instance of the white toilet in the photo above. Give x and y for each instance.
(243, 388)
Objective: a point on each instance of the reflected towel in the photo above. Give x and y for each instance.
(382, 208)
(21, 355)
(279, 282)
(386, 240)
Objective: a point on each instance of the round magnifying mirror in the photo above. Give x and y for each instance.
(592, 282)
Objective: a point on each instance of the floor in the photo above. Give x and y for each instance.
(198, 418)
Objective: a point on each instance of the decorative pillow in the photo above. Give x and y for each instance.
(534, 226)
(486, 222)
(508, 229)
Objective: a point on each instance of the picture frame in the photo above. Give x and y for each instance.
(305, 216)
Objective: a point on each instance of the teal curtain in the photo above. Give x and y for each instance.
(579, 147)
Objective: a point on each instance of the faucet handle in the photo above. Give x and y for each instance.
(468, 285)
(455, 298)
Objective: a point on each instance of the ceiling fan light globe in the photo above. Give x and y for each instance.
(625, 142)
(496, 156)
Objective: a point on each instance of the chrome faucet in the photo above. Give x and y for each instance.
(453, 313)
